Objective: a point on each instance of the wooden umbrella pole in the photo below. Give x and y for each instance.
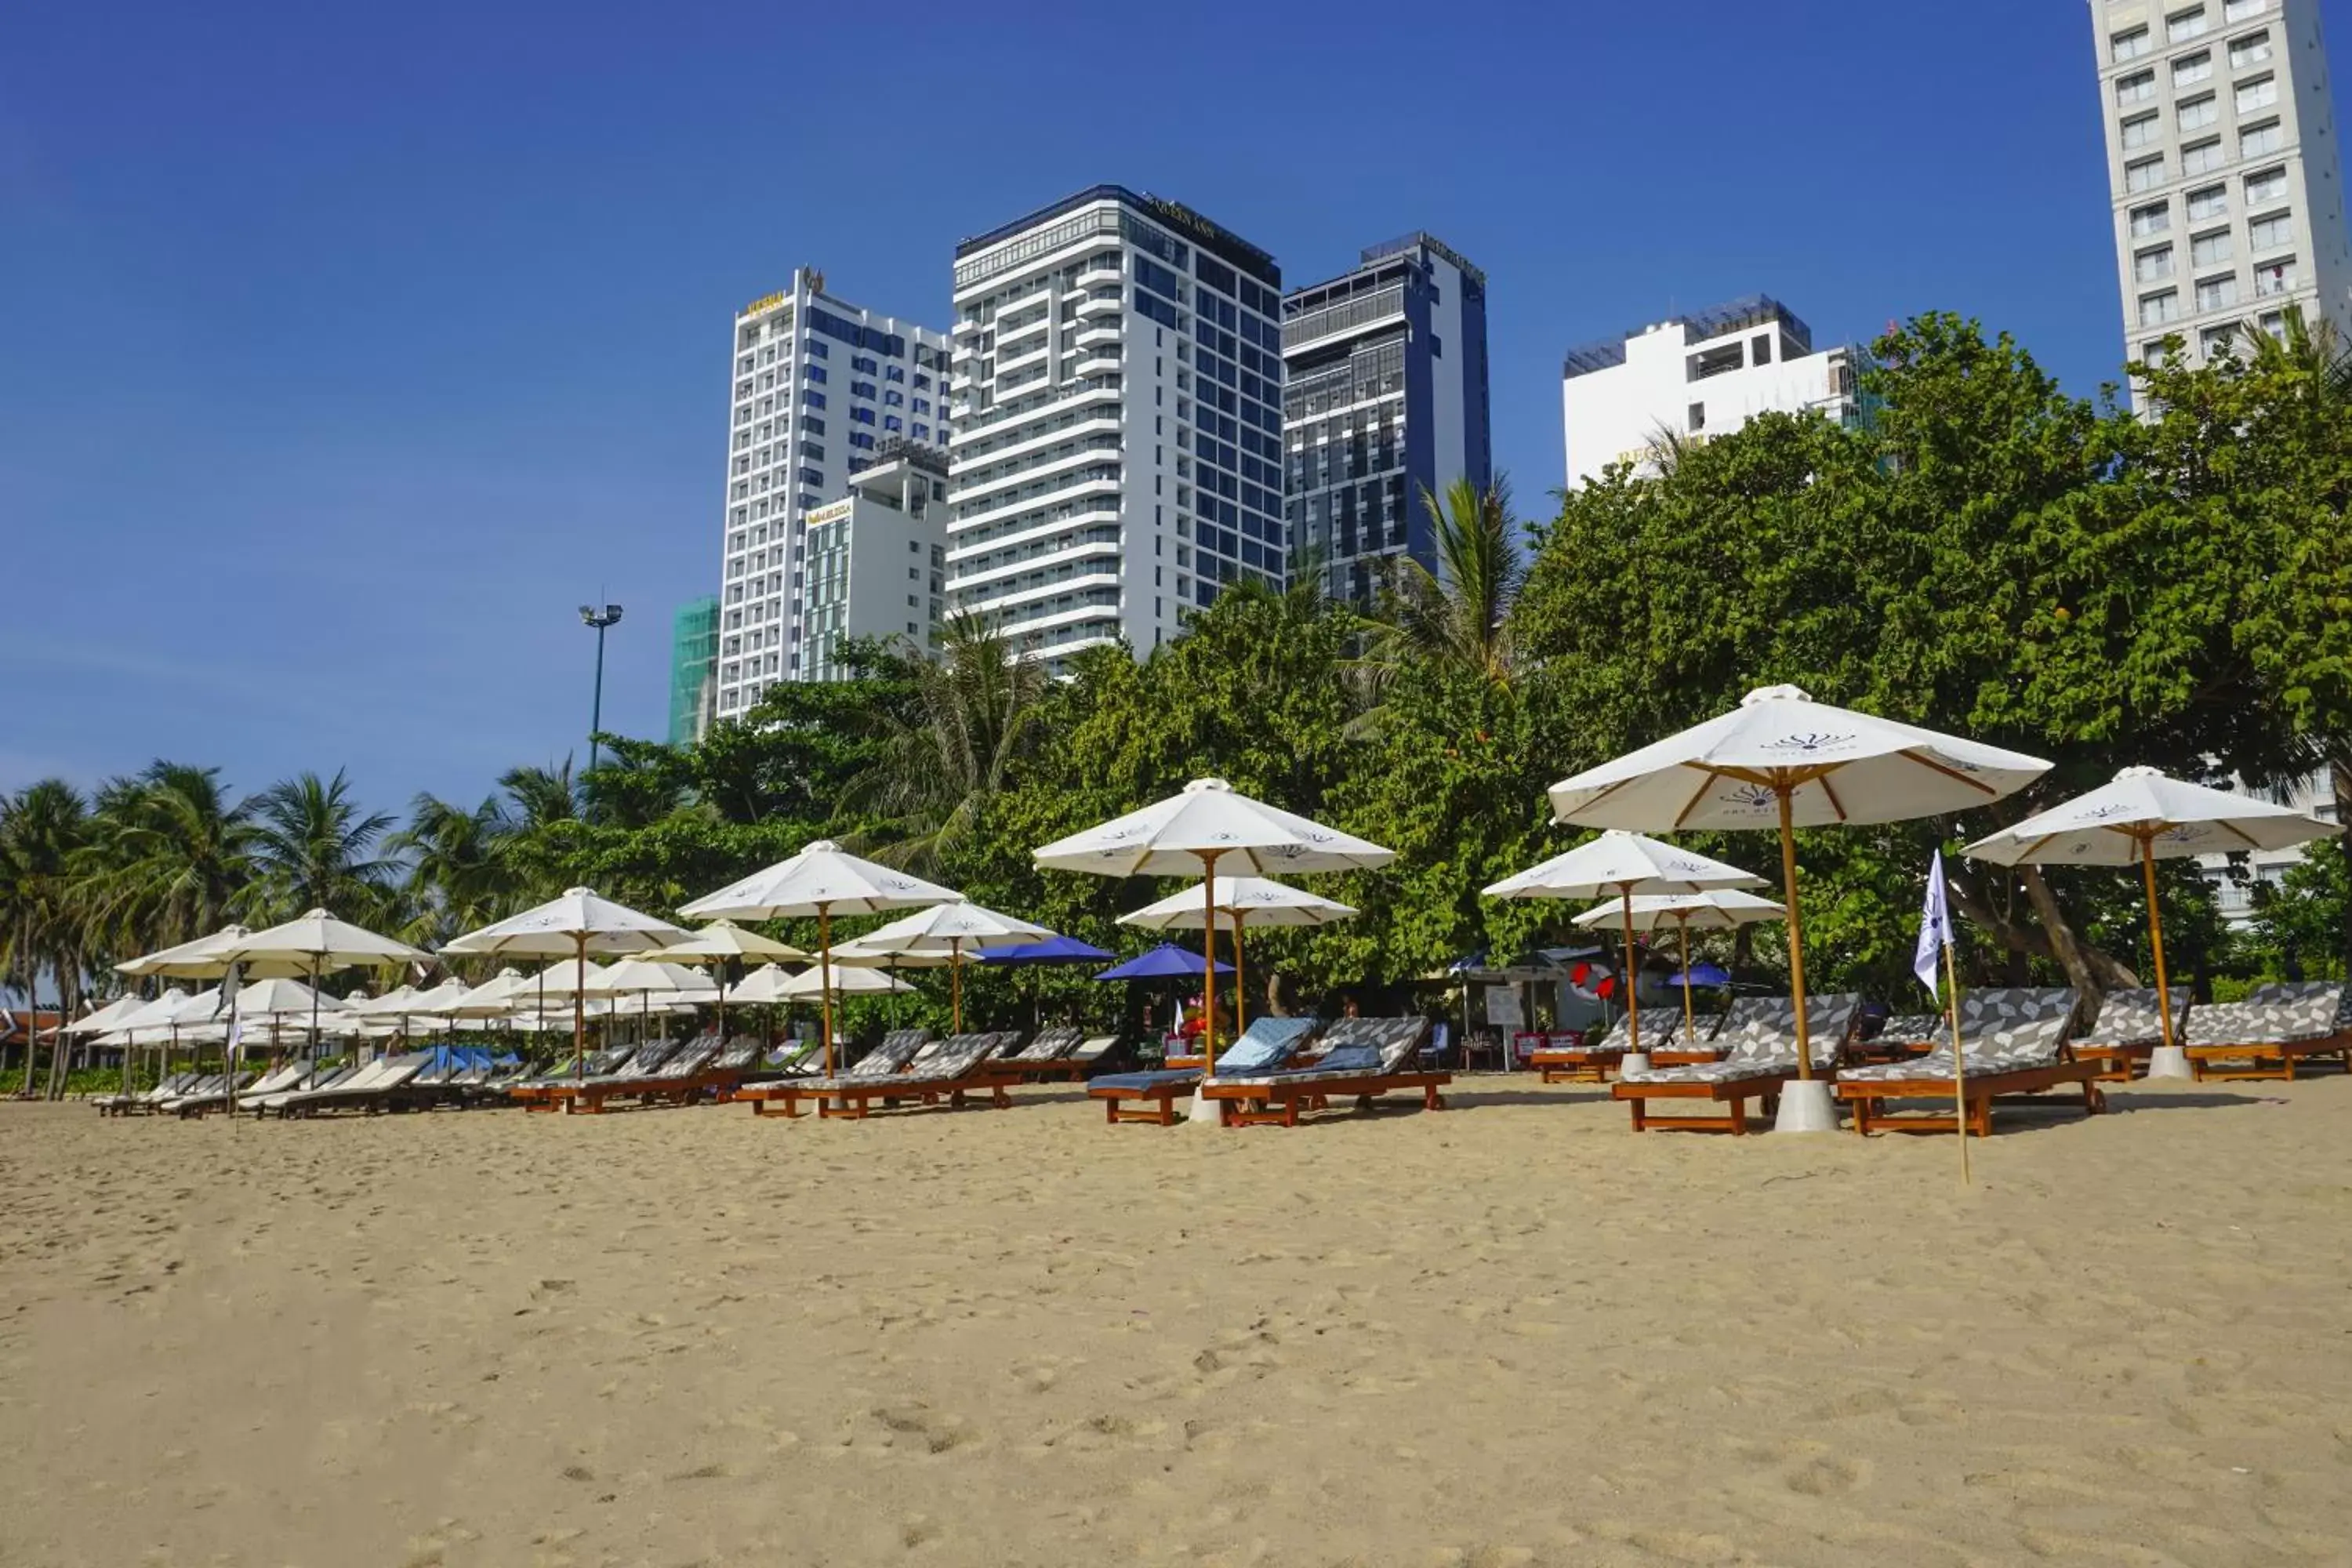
(1796, 930)
(824, 978)
(955, 985)
(1632, 997)
(2156, 933)
(580, 1009)
(1959, 1067)
(1690, 1023)
(1209, 961)
(1241, 979)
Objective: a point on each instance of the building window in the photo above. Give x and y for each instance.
(2130, 45)
(862, 416)
(2257, 140)
(2274, 278)
(2144, 175)
(2239, 10)
(2152, 219)
(921, 432)
(2251, 50)
(2271, 233)
(894, 399)
(1699, 416)
(2155, 310)
(893, 372)
(2152, 265)
(2137, 88)
(2183, 26)
(816, 374)
(2254, 96)
(812, 399)
(2274, 324)
(861, 362)
(2214, 341)
(2217, 293)
(2209, 249)
(2198, 112)
(2213, 201)
(2190, 69)
(2152, 355)
(2201, 159)
(817, 350)
(890, 422)
(2266, 187)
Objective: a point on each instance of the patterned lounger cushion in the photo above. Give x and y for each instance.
(2132, 1018)
(2280, 1014)
(1911, 1029)
(2003, 1029)
(1766, 1044)
(1264, 1047)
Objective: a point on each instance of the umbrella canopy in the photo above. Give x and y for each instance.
(823, 881)
(574, 977)
(1716, 908)
(1166, 962)
(1706, 976)
(108, 1018)
(2141, 816)
(845, 981)
(1623, 863)
(1053, 950)
(722, 939)
(765, 983)
(206, 958)
(945, 931)
(1260, 900)
(645, 976)
(165, 1010)
(322, 942)
(1781, 760)
(281, 997)
(494, 999)
(1208, 822)
(577, 922)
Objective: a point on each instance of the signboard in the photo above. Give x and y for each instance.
(1503, 1010)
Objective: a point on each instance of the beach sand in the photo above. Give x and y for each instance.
(1510, 1333)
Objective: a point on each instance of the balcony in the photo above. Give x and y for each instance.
(1362, 314)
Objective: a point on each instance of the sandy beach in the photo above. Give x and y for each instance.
(1512, 1333)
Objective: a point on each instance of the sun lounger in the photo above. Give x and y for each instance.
(2014, 1040)
(888, 1060)
(555, 1091)
(674, 1081)
(2128, 1028)
(1267, 1045)
(1592, 1060)
(366, 1089)
(953, 1075)
(146, 1098)
(532, 1089)
(1761, 1058)
(1047, 1056)
(211, 1086)
(315, 1074)
(2277, 1027)
(214, 1094)
(1364, 1059)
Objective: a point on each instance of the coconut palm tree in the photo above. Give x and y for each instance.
(973, 718)
(44, 827)
(316, 849)
(171, 857)
(1459, 615)
(458, 878)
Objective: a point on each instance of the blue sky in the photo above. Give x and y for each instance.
(342, 355)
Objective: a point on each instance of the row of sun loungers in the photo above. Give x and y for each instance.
(1265, 1077)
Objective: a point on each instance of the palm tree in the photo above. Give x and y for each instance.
(538, 796)
(975, 705)
(1459, 615)
(44, 827)
(458, 876)
(315, 849)
(169, 858)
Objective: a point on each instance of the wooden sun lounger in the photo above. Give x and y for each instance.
(1760, 1061)
(1365, 1058)
(674, 1083)
(2269, 1034)
(1735, 1092)
(1872, 1101)
(1265, 1047)
(782, 1097)
(953, 1075)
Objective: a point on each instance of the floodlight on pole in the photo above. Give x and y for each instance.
(589, 616)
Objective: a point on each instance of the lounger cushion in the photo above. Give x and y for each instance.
(2132, 1018)
(2282, 1012)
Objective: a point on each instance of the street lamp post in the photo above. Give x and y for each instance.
(610, 617)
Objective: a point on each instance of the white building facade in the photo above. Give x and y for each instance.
(876, 561)
(818, 387)
(1695, 377)
(1117, 449)
(2222, 159)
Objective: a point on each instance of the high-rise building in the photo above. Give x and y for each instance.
(1386, 398)
(693, 660)
(818, 386)
(1690, 378)
(2228, 196)
(1117, 428)
(876, 559)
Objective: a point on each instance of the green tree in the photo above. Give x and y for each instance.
(42, 829)
(316, 848)
(1458, 614)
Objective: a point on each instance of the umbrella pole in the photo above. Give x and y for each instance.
(1209, 961)
(1959, 1068)
(955, 985)
(1241, 980)
(1633, 975)
(1796, 931)
(580, 1010)
(1690, 1023)
(2156, 934)
(824, 978)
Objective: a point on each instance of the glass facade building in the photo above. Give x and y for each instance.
(693, 660)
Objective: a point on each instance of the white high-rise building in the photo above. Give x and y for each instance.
(1118, 422)
(819, 386)
(1692, 378)
(2228, 196)
(876, 561)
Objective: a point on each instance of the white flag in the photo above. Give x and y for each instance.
(1934, 928)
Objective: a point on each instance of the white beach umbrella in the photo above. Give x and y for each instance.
(1717, 908)
(722, 940)
(648, 978)
(208, 958)
(951, 929)
(764, 985)
(106, 1018)
(2139, 817)
(822, 880)
(1624, 864)
(846, 981)
(577, 922)
(1782, 760)
(321, 942)
(168, 1014)
(1191, 832)
(1242, 900)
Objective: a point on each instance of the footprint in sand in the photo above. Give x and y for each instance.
(1828, 1477)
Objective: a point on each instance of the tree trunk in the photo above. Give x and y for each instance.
(2340, 773)
(2088, 970)
(29, 971)
(62, 966)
